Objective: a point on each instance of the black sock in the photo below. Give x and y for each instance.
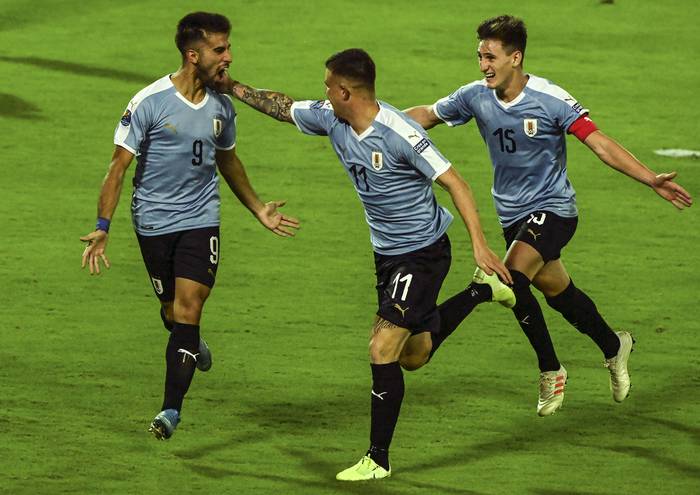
(457, 308)
(581, 312)
(180, 359)
(529, 314)
(166, 323)
(387, 395)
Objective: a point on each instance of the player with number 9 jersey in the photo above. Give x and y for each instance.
(175, 140)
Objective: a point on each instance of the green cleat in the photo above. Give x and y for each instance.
(364, 470)
(502, 294)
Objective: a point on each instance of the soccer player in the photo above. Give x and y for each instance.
(392, 165)
(181, 130)
(524, 120)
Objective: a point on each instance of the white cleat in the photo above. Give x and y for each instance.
(619, 377)
(552, 385)
(501, 293)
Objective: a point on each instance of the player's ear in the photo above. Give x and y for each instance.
(345, 92)
(517, 58)
(192, 56)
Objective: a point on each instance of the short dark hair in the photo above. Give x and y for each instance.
(509, 30)
(355, 64)
(195, 26)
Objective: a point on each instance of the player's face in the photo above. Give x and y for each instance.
(498, 66)
(214, 59)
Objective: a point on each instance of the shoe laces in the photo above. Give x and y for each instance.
(548, 384)
(611, 365)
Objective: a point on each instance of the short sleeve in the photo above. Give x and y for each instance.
(226, 140)
(313, 117)
(425, 157)
(133, 126)
(455, 109)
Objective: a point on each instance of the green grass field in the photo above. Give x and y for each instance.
(286, 404)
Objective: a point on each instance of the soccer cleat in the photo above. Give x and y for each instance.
(619, 377)
(552, 385)
(364, 470)
(204, 356)
(501, 293)
(164, 424)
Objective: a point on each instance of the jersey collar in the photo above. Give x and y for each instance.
(515, 100)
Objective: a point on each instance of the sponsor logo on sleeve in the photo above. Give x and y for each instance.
(421, 145)
(126, 118)
(530, 127)
(317, 105)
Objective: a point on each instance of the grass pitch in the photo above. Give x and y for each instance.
(286, 404)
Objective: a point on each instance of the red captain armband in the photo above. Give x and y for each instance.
(582, 127)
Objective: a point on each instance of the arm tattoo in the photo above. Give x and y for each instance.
(276, 105)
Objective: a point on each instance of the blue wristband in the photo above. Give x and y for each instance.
(102, 224)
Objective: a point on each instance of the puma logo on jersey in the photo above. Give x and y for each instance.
(403, 311)
(534, 234)
(171, 127)
(378, 395)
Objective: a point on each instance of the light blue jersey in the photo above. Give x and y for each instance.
(526, 139)
(392, 166)
(174, 140)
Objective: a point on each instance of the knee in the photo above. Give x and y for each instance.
(187, 310)
(412, 362)
(565, 301)
(166, 314)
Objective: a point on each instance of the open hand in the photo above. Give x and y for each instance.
(275, 221)
(95, 251)
(665, 187)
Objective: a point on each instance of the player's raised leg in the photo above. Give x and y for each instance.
(581, 312)
(386, 342)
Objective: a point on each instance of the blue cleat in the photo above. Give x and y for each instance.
(164, 424)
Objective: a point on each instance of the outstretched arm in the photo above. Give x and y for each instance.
(233, 172)
(617, 157)
(463, 200)
(424, 115)
(109, 197)
(272, 103)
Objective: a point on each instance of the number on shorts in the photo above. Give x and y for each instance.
(214, 248)
(538, 221)
(407, 278)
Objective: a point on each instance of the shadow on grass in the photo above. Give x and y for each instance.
(15, 107)
(79, 69)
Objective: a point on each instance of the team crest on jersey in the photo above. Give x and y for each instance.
(218, 127)
(530, 127)
(377, 160)
(157, 285)
(126, 118)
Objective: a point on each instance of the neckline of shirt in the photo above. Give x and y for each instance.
(193, 106)
(515, 100)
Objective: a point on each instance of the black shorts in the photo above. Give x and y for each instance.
(543, 230)
(408, 286)
(191, 254)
